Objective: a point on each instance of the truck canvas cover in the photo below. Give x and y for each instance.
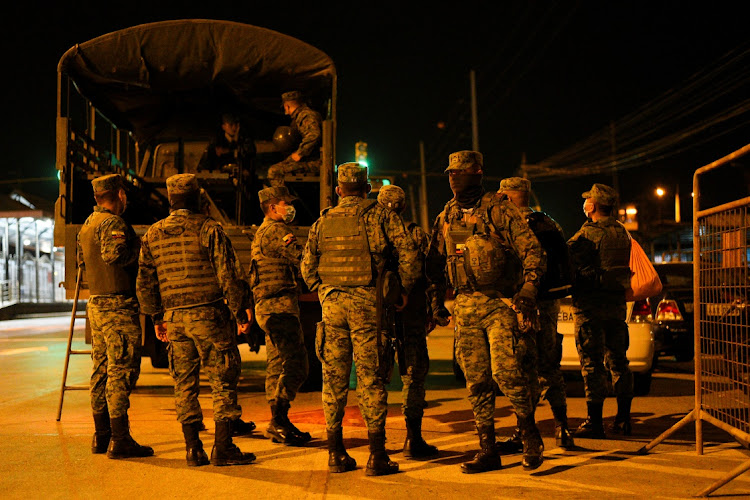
(169, 78)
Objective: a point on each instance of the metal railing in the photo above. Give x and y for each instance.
(721, 251)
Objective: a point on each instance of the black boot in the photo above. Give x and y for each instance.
(379, 464)
(122, 445)
(622, 424)
(240, 427)
(511, 445)
(533, 446)
(195, 454)
(225, 452)
(338, 459)
(279, 430)
(487, 459)
(415, 445)
(592, 427)
(102, 433)
(283, 406)
(563, 436)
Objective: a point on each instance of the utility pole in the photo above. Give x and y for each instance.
(412, 204)
(474, 120)
(425, 222)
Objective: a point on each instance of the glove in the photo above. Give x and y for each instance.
(524, 301)
(442, 316)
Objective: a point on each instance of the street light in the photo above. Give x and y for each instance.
(660, 192)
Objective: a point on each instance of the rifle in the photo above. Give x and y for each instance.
(384, 336)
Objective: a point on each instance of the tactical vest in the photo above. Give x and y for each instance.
(186, 275)
(478, 257)
(103, 278)
(614, 259)
(557, 281)
(345, 258)
(269, 275)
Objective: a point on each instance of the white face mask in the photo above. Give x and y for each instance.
(289, 214)
(588, 209)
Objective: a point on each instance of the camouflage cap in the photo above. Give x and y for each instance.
(464, 160)
(601, 193)
(182, 184)
(278, 193)
(111, 182)
(515, 184)
(392, 197)
(352, 172)
(294, 95)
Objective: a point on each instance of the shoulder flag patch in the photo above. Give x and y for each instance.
(118, 234)
(289, 239)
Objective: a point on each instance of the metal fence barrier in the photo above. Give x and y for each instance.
(721, 251)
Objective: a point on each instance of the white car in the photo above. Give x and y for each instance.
(641, 352)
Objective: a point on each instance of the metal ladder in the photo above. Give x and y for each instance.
(74, 315)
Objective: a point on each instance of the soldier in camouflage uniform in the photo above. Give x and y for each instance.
(411, 338)
(344, 259)
(188, 269)
(548, 341)
(306, 124)
(494, 263)
(600, 253)
(276, 283)
(108, 252)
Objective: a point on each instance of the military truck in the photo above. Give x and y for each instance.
(146, 101)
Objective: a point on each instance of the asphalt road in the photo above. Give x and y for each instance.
(44, 458)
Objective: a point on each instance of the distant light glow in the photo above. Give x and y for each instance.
(631, 210)
(386, 182)
(363, 163)
(660, 192)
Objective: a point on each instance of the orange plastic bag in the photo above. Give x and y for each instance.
(644, 282)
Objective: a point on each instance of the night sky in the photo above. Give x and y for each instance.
(549, 75)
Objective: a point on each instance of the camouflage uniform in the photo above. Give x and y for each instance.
(275, 281)
(489, 342)
(349, 312)
(188, 269)
(343, 248)
(550, 383)
(108, 249)
(308, 125)
(413, 358)
(598, 250)
(411, 345)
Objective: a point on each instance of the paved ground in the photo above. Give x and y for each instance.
(44, 458)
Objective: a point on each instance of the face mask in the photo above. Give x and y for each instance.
(289, 214)
(588, 209)
(464, 182)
